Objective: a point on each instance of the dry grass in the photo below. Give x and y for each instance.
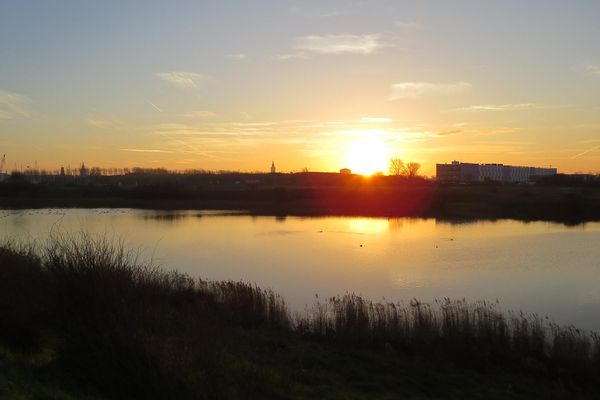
(131, 329)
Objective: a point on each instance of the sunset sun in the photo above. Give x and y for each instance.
(367, 155)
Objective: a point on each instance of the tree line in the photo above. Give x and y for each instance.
(399, 168)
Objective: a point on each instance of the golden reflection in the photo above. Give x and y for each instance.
(367, 226)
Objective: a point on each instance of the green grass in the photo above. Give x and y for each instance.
(32, 376)
(305, 369)
(81, 316)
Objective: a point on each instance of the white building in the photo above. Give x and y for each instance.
(469, 172)
(491, 172)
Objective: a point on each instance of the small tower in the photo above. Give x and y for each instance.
(273, 170)
(83, 171)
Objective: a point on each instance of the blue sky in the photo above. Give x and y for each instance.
(233, 85)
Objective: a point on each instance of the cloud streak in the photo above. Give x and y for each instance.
(146, 150)
(412, 25)
(593, 70)
(376, 120)
(339, 44)
(299, 55)
(182, 79)
(12, 105)
(450, 133)
(590, 150)
(100, 123)
(157, 108)
(501, 107)
(413, 90)
(200, 114)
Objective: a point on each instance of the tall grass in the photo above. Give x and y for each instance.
(130, 329)
(455, 329)
(22, 295)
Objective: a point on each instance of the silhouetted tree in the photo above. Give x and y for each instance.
(412, 169)
(397, 167)
(95, 171)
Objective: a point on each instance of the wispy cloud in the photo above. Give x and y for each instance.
(504, 131)
(181, 79)
(413, 25)
(146, 150)
(224, 140)
(200, 114)
(593, 70)
(590, 150)
(485, 132)
(450, 133)
(12, 104)
(340, 44)
(412, 90)
(157, 108)
(238, 56)
(587, 126)
(101, 123)
(299, 55)
(502, 107)
(377, 120)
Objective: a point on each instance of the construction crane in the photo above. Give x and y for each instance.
(2, 162)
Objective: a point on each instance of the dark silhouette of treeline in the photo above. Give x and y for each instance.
(84, 313)
(564, 198)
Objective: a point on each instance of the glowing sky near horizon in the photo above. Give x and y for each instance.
(236, 85)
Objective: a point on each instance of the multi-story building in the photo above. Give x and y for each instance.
(469, 172)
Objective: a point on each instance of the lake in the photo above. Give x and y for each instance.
(539, 267)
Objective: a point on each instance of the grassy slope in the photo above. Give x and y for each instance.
(129, 332)
(304, 369)
(329, 371)
(33, 376)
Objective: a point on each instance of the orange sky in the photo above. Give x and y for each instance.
(319, 86)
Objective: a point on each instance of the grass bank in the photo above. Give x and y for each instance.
(83, 317)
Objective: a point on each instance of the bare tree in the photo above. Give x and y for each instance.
(412, 169)
(397, 167)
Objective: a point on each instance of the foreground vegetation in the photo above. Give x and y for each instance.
(83, 318)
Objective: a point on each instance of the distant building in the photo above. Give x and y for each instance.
(273, 170)
(62, 171)
(345, 171)
(83, 171)
(470, 172)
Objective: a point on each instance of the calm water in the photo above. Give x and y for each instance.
(538, 267)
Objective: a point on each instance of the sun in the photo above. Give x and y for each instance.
(367, 155)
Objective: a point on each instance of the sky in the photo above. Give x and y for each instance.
(307, 84)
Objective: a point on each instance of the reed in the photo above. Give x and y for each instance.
(130, 329)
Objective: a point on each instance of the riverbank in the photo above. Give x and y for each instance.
(82, 317)
(570, 205)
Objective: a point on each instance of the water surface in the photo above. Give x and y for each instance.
(540, 267)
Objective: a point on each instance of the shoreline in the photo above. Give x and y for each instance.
(567, 211)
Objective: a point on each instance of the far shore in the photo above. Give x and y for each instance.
(569, 205)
